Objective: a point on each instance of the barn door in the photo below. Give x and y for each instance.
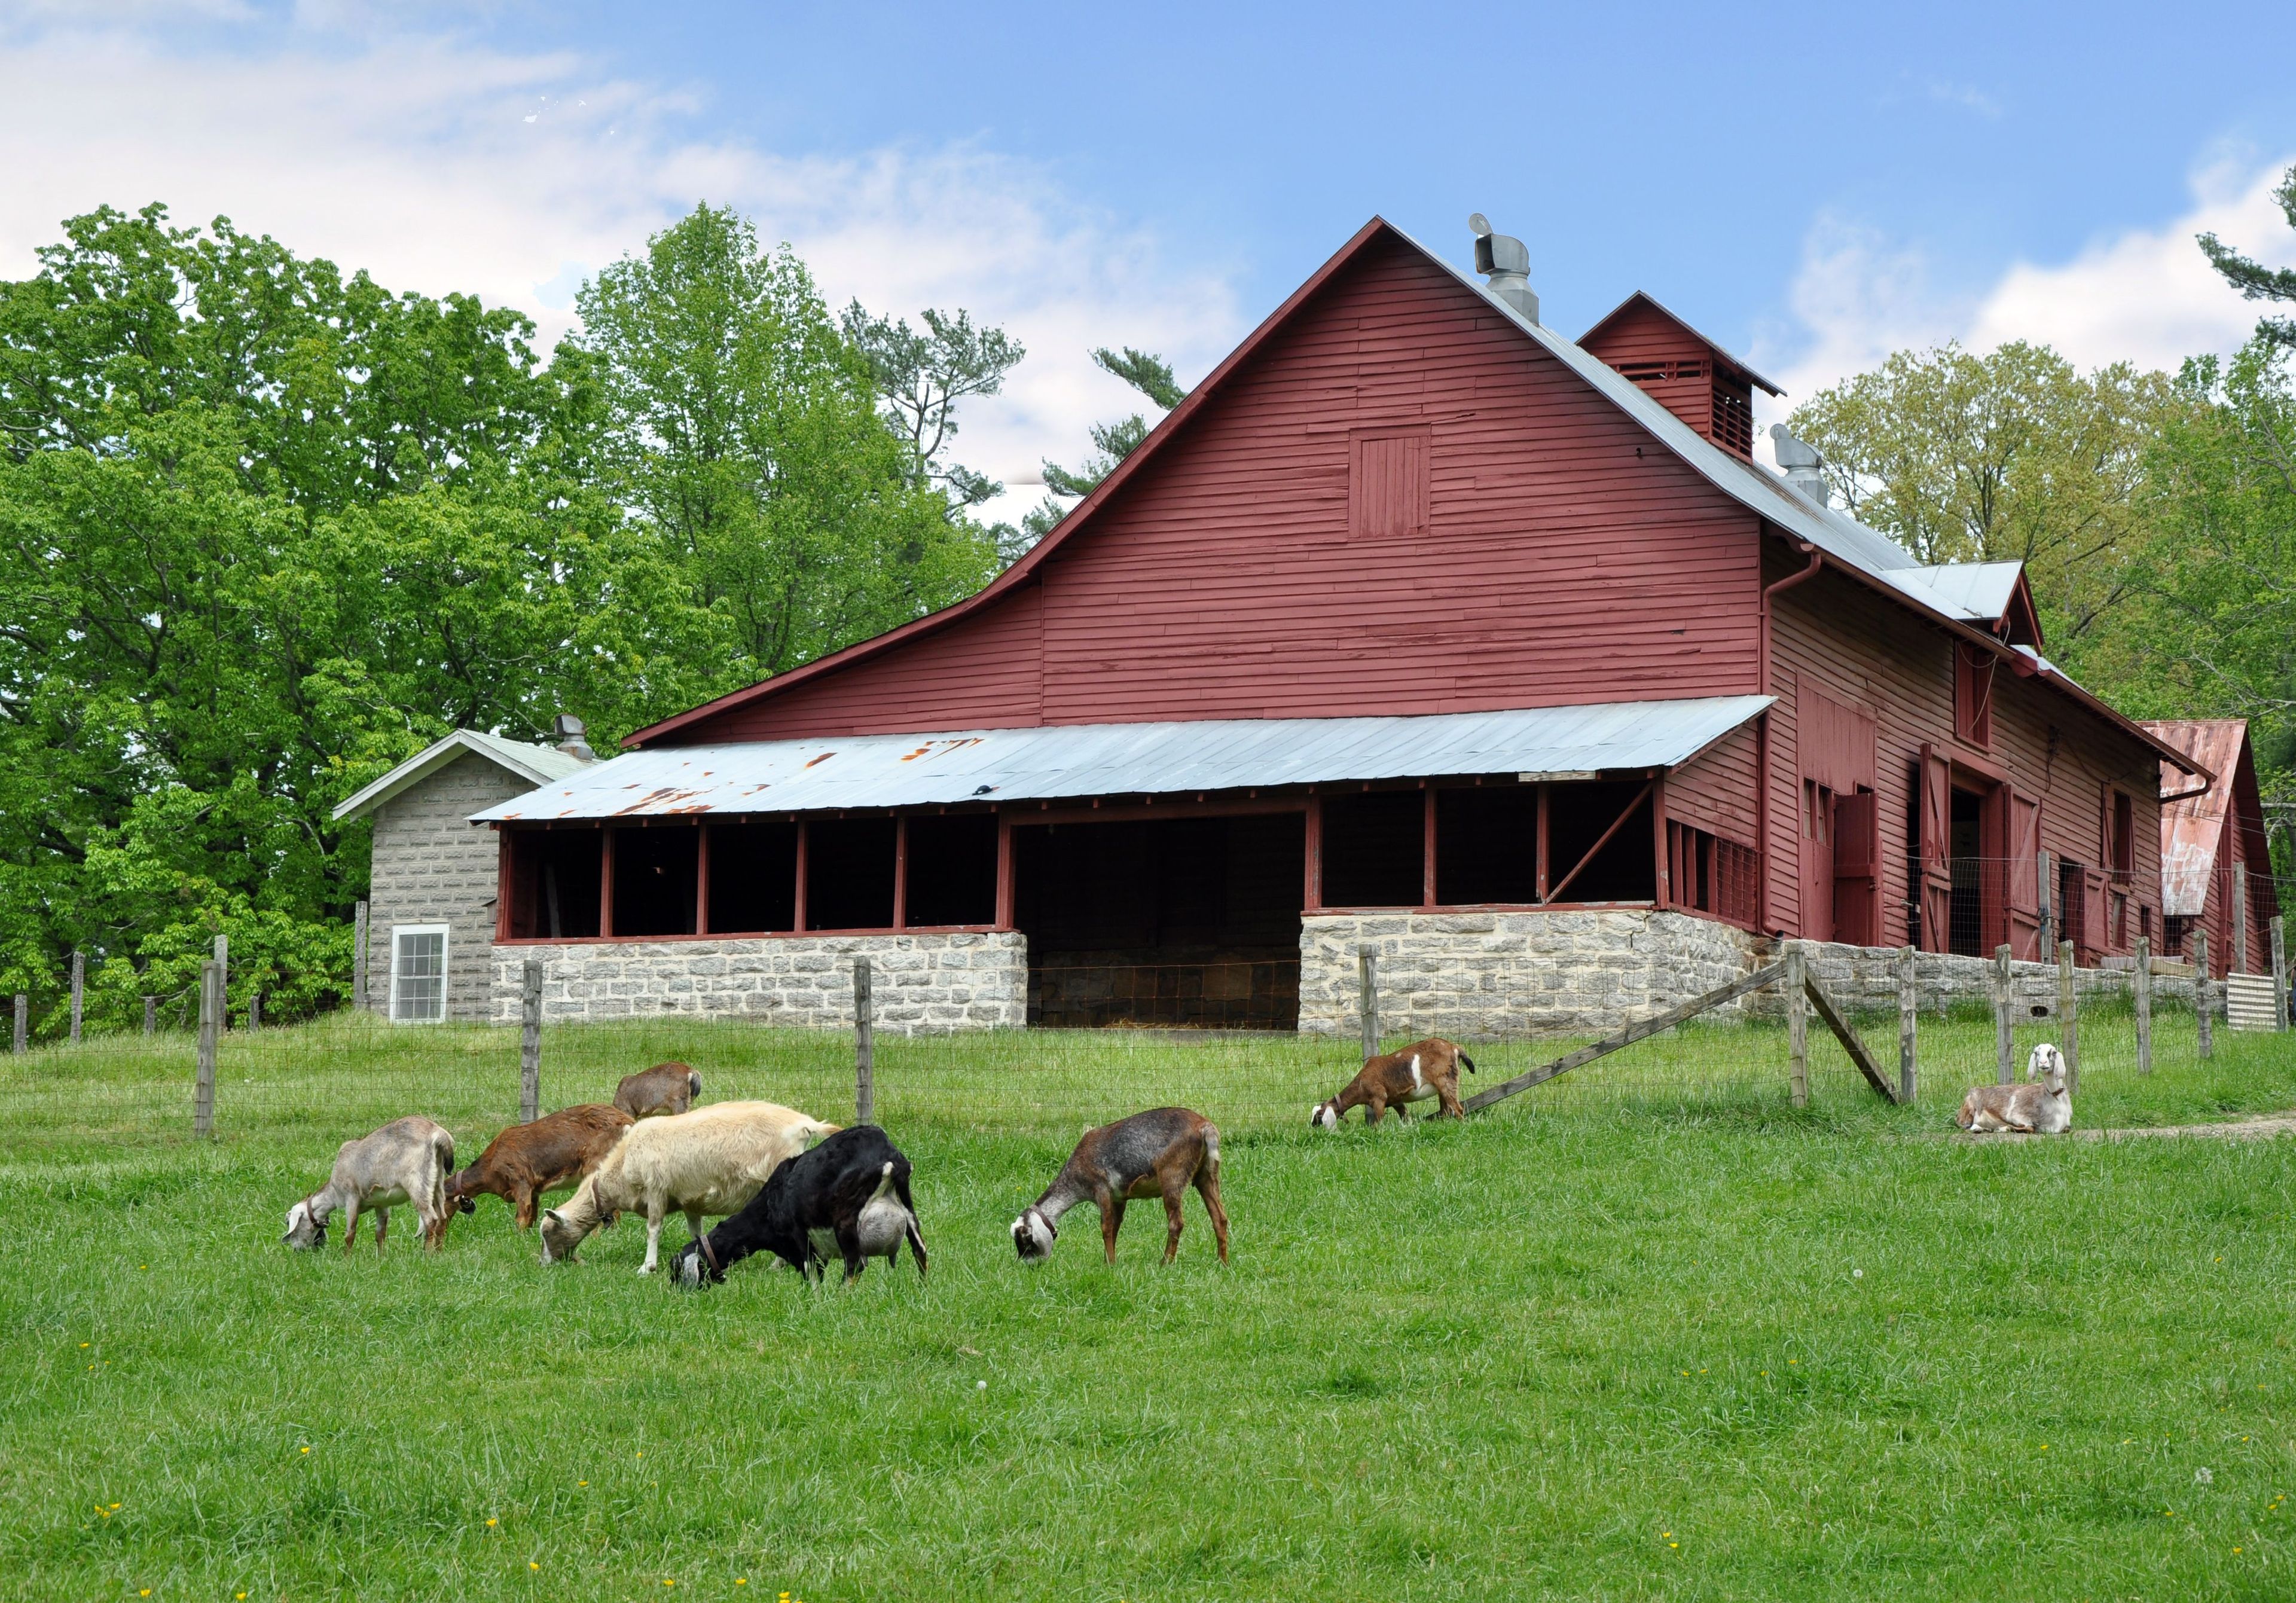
(1857, 867)
(2093, 939)
(1817, 861)
(1937, 850)
(2025, 878)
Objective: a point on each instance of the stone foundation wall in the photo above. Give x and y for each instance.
(1474, 975)
(1864, 979)
(920, 984)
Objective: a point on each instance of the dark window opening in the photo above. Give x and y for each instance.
(553, 883)
(1486, 846)
(1578, 815)
(1708, 874)
(2172, 934)
(753, 878)
(2120, 849)
(1966, 931)
(1188, 921)
(1733, 415)
(1374, 849)
(951, 870)
(656, 872)
(848, 873)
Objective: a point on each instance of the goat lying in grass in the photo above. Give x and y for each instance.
(710, 1161)
(851, 1193)
(1423, 1069)
(1160, 1153)
(2040, 1106)
(554, 1151)
(665, 1088)
(406, 1161)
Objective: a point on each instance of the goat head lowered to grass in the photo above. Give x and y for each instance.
(848, 1195)
(406, 1161)
(1160, 1153)
(1423, 1069)
(2040, 1107)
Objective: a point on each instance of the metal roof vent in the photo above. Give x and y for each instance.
(1505, 261)
(1805, 468)
(571, 729)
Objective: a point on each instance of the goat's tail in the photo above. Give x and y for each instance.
(1211, 1150)
(1465, 1059)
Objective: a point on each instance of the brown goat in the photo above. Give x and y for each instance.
(556, 1152)
(1425, 1068)
(665, 1088)
(1160, 1153)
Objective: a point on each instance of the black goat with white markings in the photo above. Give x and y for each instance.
(851, 1192)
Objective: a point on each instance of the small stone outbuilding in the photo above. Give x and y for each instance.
(431, 907)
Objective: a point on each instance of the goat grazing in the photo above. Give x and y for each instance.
(665, 1088)
(406, 1161)
(1159, 1153)
(2040, 1106)
(710, 1161)
(850, 1194)
(1425, 1068)
(524, 1161)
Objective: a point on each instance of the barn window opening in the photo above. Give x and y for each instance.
(1708, 874)
(1733, 415)
(1966, 931)
(952, 869)
(1973, 693)
(2120, 835)
(1387, 486)
(753, 878)
(1600, 845)
(1486, 846)
(553, 883)
(656, 873)
(1188, 922)
(848, 873)
(1374, 849)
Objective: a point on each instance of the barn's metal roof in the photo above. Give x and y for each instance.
(536, 765)
(2193, 826)
(1977, 592)
(1072, 761)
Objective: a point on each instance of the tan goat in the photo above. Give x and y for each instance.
(1423, 1069)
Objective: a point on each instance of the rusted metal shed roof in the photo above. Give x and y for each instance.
(2192, 825)
(1077, 760)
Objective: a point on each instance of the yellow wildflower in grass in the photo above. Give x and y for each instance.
(531, 1565)
(490, 1525)
(306, 1449)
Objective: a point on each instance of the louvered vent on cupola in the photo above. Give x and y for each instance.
(1682, 370)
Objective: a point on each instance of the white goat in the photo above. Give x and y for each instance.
(2040, 1106)
(406, 1161)
(710, 1161)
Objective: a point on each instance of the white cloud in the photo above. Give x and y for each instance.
(438, 164)
(2145, 294)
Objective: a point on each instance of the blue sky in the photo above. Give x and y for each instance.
(1814, 186)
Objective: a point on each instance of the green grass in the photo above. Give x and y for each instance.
(1527, 1356)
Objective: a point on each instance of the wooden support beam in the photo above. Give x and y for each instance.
(797, 922)
(1848, 1037)
(901, 871)
(1427, 853)
(1006, 880)
(1311, 898)
(702, 880)
(1640, 1030)
(1542, 861)
(1617, 824)
(605, 882)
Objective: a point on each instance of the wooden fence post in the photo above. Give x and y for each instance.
(2239, 918)
(358, 960)
(1367, 998)
(529, 1043)
(2144, 977)
(864, 1047)
(211, 1026)
(254, 1012)
(23, 1023)
(2279, 975)
(1909, 1003)
(2203, 1008)
(151, 1015)
(223, 983)
(2067, 1015)
(2004, 1042)
(2046, 892)
(1797, 1023)
(78, 992)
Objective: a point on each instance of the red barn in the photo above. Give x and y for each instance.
(1416, 622)
(2215, 867)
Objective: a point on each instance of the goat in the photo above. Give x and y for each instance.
(710, 1161)
(554, 1151)
(665, 1088)
(851, 1193)
(1423, 1069)
(2040, 1106)
(406, 1161)
(1159, 1153)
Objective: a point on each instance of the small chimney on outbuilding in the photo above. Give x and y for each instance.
(1805, 468)
(570, 730)
(1505, 261)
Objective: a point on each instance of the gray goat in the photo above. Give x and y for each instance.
(406, 1161)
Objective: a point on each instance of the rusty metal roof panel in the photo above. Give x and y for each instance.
(1077, 761)
(2192, 825)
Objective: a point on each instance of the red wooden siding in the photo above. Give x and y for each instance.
(1715, 790)
(1565, 557)
(1386, 486)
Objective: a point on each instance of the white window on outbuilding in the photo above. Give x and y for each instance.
(418, 973)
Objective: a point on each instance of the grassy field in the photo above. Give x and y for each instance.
(1655, 1335)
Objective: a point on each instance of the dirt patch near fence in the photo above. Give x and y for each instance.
(2262, 1126)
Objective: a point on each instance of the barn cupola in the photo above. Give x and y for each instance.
(1683, 370)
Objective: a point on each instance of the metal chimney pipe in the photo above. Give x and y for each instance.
(1505, 261)
(1805, 469)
